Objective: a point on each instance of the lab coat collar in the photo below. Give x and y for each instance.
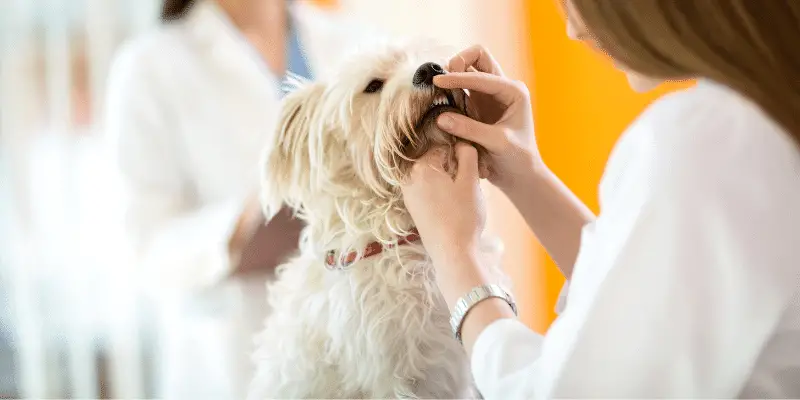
(217, 36)
(215, 32)
(323, 34)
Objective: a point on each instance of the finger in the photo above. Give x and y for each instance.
(488, 136)
(476, 57)
(436, 156)
(430, 162)
(504, 90)
(467, 157)
(483, 167)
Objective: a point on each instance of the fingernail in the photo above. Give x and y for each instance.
(445, 122)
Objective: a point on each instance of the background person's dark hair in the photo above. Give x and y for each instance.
(173, 10)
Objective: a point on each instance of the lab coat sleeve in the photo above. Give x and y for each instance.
(694, 287)
(561, 303)
(177, 242)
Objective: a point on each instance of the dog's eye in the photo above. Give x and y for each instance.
(374, 86)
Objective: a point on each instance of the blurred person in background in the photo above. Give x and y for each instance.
(687, 285)
(189, 106)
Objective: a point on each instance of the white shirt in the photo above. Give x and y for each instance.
(189, 109)
(686, 285)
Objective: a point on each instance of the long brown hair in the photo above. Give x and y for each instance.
(172, 10)
(750, 46)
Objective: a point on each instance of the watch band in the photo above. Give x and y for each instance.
(472, 298)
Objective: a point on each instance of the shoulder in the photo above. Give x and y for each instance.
(140, 60)
(140, 87)
(709, 170)
(709, 136)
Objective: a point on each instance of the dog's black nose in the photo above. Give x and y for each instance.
(425, 73)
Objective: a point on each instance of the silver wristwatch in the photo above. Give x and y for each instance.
(473, 297)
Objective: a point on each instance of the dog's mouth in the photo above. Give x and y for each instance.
(426, 134)
(443, 101)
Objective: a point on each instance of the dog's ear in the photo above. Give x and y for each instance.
(286, 161)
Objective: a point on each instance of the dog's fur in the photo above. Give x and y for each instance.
(378, 328)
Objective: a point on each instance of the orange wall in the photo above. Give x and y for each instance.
(326, 3)
(581, 106)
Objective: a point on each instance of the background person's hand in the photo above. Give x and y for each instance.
(502, 106)
(246, 225)
(258, 246)
(449, 213)
(271, 245)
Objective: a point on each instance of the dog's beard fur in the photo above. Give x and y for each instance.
(400, 142)
(338, 158)
(340, 154)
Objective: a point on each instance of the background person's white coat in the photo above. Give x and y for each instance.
(189, 108)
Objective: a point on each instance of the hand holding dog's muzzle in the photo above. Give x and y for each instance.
(504, 122)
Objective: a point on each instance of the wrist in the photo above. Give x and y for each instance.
(530, 170)
(458, 274)
(481, 316)
(528, 181)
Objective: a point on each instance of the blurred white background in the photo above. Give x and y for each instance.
(73, 322)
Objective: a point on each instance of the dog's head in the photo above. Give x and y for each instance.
(345, 144)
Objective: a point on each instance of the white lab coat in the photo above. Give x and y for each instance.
(189, 109)
(688, 283)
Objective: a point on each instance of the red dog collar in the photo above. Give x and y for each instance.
(372, 249)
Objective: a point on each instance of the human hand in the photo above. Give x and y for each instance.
(258, 246)
(450, 215)
(270, 245)
(246, 225)
(449, 212)
(504, 118)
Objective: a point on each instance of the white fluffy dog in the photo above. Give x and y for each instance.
(357, 313)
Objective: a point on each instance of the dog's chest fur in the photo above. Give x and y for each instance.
(377, 330)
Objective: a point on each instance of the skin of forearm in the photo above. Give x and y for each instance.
(555, 215)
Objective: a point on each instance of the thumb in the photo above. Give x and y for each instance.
(467, 157)
(469, 129)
